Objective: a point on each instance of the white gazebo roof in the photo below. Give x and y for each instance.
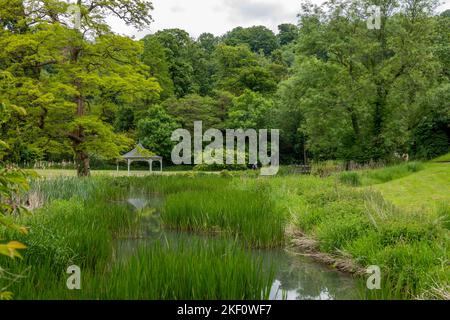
(140, 153)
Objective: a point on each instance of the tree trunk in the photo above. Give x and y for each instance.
(83, 164)
(81, 156)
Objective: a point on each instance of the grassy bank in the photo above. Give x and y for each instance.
(412, 247)
(427, 189)
(79, 220)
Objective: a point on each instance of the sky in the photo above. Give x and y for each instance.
(219, 16)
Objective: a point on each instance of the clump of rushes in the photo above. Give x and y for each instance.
(66, 232)
(381, 175)
(107, 188)
(350, 178)
(245, 214)
(218, 269)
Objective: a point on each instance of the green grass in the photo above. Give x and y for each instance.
(208, 269)
(81, 220)
(396, 218)
(57, 173)
(443, 158)
(412, 248)
(425, 189)
(247, 215)
(378, 176)
(199, 269)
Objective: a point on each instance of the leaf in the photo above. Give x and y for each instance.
(16, 245)
(10, 249)
(19, 110)
(6, 295)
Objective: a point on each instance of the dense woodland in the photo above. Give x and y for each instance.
(335, 89)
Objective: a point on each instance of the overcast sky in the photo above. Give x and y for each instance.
(219, 16)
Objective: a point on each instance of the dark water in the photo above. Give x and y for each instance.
(296, 276)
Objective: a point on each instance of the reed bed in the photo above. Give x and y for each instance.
(247, 215)
(80, 221)
(216, 269)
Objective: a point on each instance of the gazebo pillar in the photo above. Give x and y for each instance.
(128, 162)
(150, 163)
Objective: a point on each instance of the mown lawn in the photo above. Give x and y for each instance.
(425, 188)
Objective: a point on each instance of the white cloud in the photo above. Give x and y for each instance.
(219, 16)
(215, 16)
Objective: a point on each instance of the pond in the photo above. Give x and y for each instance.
(297, 277)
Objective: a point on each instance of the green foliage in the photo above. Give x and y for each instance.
(13, 182)
(431, 134)
(178, 47)
(155, 131)
(381, 175)
(246, 215)
(189, 270)
(250, 110)
(222, 154)
(409, 246)
(70, 85)
(359, 95)
(350, 178)
(287, 33)
(154, 56)
(257, 38)
(193, 108)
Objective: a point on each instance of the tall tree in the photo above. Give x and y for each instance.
(356, 87)
(68, 79)
(258, 38)
(155, 57)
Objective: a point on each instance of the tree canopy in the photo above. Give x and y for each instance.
(336, 89)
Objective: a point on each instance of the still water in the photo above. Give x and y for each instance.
(297, 277)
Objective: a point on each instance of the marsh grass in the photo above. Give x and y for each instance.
(81, 218)
(412, 248)
(381, 175)
(249, 216)
(216, 269)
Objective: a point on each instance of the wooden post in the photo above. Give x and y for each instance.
(128, 161)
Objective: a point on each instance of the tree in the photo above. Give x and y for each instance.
(256, 79)
(251, 110)
(70, 81)
(258, 38)
(154, 56)
(178, 45)
(287, 33)
(155, 131)
(356, 88)
(208, 42)
(431, 124)
(192, 108)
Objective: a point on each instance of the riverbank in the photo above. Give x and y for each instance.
(348, 227)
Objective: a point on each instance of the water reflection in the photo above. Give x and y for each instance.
(297, 277)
